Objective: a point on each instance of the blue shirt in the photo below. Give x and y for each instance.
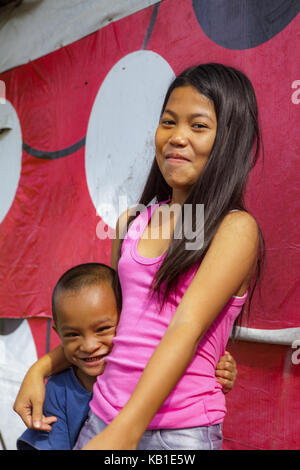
(69, 401)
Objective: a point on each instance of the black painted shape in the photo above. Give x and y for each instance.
(243, 24)
(9, 325)
(56, 154)
(151, 25)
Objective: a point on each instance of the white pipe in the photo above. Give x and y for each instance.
(285, 336)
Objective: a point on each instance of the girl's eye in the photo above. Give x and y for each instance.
(198, 125)
(167, 122)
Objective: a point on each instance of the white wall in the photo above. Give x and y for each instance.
(38, 27)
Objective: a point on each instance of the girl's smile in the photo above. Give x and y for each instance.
(184, 138)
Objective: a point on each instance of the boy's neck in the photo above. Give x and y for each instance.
(85, 380)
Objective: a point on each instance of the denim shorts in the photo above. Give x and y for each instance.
(197, 438)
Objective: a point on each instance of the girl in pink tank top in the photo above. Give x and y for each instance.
(183, 292)
(187, 264)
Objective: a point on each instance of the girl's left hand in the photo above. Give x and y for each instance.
(226, 372)
(112, 438)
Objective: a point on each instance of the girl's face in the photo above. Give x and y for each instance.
(185, 137)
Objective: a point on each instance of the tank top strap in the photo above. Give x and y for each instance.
(139, 224)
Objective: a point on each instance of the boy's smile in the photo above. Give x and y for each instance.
(86, 323)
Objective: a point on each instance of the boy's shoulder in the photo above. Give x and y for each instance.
(64, 389)
(66, 379)
(63, 378)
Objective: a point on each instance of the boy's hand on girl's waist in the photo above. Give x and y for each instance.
(226, 372)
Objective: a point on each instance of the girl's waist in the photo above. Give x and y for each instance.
(196, 404)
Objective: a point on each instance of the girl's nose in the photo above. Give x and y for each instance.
(178, 138)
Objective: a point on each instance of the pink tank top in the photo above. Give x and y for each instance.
(197, 399)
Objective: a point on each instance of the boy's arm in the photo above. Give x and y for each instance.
(30, 399)
(226, 372)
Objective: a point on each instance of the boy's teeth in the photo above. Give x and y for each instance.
(92, 358)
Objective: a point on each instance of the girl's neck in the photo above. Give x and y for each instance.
(178, 196)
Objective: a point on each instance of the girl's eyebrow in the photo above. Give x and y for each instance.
(194, 115)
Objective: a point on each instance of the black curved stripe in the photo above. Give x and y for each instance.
(151, 25)
(56, 154)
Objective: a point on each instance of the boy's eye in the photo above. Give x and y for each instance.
(104, 329)
(71, 335)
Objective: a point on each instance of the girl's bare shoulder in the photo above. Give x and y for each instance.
(239, 227)
(240, 221)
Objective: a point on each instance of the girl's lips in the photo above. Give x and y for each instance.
(176, 158)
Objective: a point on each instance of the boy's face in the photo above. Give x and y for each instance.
(86, 324)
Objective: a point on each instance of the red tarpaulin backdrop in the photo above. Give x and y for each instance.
(51, 224)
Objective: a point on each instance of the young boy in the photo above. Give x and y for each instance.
(85, 314)
(85, 306)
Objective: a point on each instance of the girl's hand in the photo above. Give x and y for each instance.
(29, 402)
(115, 436)
(31, 396)
(226, 372)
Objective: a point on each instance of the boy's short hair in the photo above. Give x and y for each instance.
(85, 275)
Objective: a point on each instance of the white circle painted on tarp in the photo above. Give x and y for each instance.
(10, 156)
(120, 138)
(17, 354)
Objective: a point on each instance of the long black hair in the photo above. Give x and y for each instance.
(222, 182)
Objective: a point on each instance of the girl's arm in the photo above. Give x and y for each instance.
(121, 229)
(30, 399)
(226, 265)
(226, 371)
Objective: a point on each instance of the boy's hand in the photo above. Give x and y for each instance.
(226, 372)
(29, 403)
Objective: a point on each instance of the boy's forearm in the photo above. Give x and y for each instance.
(51, 363)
